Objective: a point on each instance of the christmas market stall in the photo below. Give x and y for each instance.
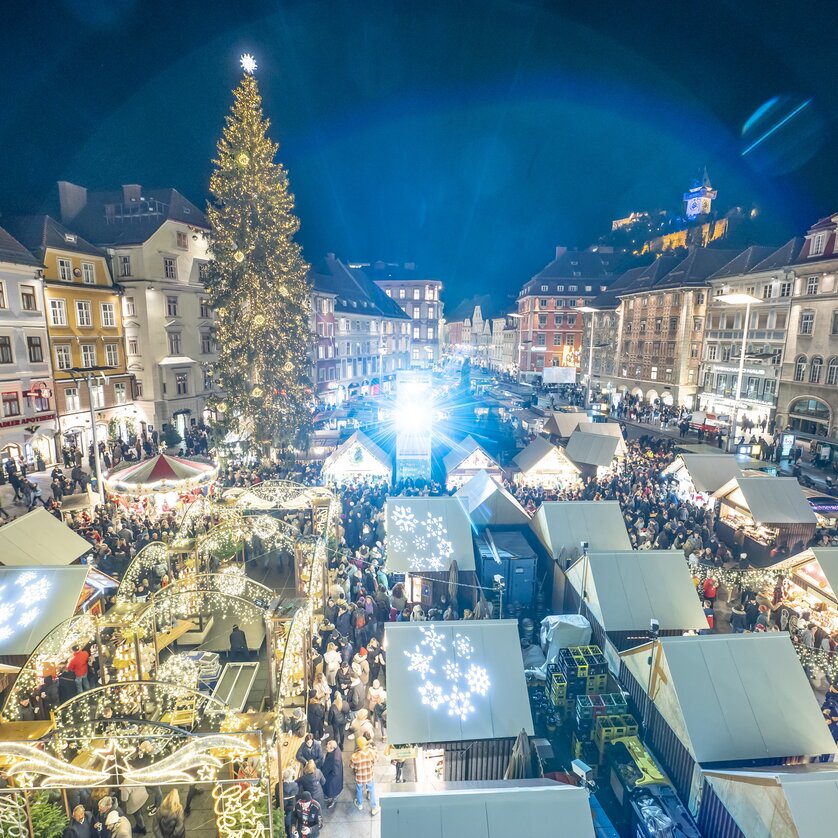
(768, 518)
(595, 454)
(357, 460)
(724, 701)
(467, 459)
(456, 693)
(561, 424)
(544, 465)
(698, 476)
(425, 535)
(796, 802)
(624, 591)
(160, 480)
(488, 503)
(491, 810)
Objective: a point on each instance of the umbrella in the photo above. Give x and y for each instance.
(481, 610)
(453, 578)
(521, 760)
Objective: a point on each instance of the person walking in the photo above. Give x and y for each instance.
(338, 717)
(312, 781)
(363, 764)
(78, 666)
(170, 820)
(238, 645)
(333, 773)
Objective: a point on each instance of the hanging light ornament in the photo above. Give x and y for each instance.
(242, 159)
(259, 320)
(238, 256)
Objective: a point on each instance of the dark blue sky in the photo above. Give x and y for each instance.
(470, 137)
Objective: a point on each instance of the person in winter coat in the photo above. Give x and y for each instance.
(338, 717)
(357, 695)
(310, 751)
(307, 817)
(133, 800)
(118, 826)
(333, 772)
(311, 780)
(343, 679)
(80, 826)
(331, 664)
(361, 666)
(361, 726)
(316, 717)
(286, 795)
(170, 820)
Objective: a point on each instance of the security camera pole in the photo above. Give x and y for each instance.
(583, 592)
(654, 634)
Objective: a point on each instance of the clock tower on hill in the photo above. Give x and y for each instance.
(699, 200)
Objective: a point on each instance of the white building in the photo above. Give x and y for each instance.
(157, 244)
(28, 420)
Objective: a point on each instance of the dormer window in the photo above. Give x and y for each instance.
(818, 244)
(70, 238)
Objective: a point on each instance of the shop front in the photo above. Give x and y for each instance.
(28, 440)
(545, 465)
(696, 476)
(808, 593)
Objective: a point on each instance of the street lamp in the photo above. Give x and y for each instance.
(748, 300)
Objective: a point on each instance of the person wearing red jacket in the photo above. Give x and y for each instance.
(78, 666)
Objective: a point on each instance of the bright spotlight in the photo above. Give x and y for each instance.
(413, 417)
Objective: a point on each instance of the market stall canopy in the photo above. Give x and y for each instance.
(770, 500)
(562, 423)
(707, 472)
(592, 449)
(733, 697)
(489, 504)
(359, 456)
(796, 802)
(469, 455)
(39, 538)
(499, 809)
(160, 474)
(562, 526)
(426, 534)
(625, 590)
(824, 573)
(455, 681)
(33, 601)
(542, 456)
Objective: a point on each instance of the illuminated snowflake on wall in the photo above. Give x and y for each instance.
(404, 518)
(425, 541)
(18, 602)
(461, 681)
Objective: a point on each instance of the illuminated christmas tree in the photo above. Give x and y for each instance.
(258, 282)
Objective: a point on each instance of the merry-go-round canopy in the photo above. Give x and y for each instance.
(160, 474)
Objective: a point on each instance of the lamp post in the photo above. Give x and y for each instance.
(737, 299)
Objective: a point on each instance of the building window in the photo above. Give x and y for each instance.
(138, 389)
(785, 289)
(6, 350)
(401, 293)
(699, 298)
(800, 368)
(169, 268)
(182, 240)
(36, 349)
(174, 343)
(388, 292)
(557, 340)
(697, 323)
(125, 266)
(83, 313)
(429, 292)
(653, 374)
(807, 323)
(206, 343)
(571, 320)
(544, 288)
(812, 283)
(430, 332)
(767, 291)
(171, 307)
(208, 380)
(133, 349)
(673, 324)
(569, 340)
(571, 303)
(417, 311)
(119, 393)
(88, 354)
(818, 244)
(97, 396)
(71, 400)
(205, 310)
(11, 404)
(108, 315)
(712, 351)
(130, 307)
(181, 384)
(416, 294)
(27, 298)
(88, 273)
(112, 354)
(416, 333)
(815, 369)
(65, 270)
(832, 372)
(62, 356)
(57, 313)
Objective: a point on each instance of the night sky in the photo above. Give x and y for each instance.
(469, 137)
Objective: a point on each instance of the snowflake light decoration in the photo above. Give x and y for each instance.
(25, 578)
(35, 591)
(420, 662)
(432, 639)
(397, 543)
(434, 526)
(478, 679)
(446, 548)
(5, 632)
(6, 611)
(462, 646)
(459, 703)
(28, 616)
(434, 563)
(432, 694)
(404, 519)
(452, 670)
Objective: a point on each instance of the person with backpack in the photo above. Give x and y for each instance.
(308, 816)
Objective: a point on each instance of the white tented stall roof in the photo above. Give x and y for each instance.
(455, 681)
(708, 472)
(374, 460)
(468, 449)
(488, 810)
(541, 454)
(427, 534)
(592, 449)
(733, 697)
(562, 526)
(563, 424)
(489, 504)
(827, 559)
(625, 590)
(39, 538)
(33, 601)
(795, 802)
(770, 500)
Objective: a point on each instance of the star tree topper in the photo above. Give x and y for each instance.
(248, 63)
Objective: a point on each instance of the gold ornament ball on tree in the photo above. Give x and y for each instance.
(222, 407)
(243, 159)
(238, 256)
(288, 366)
(256, 392)
(259, 320)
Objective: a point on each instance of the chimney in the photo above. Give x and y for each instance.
(131, 193)
(72, 200)
(560, 251)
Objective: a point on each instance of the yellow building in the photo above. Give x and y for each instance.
(87, 341)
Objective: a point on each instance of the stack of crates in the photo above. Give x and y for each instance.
(585, 668)
(556, 688)
(611, 727)
(588, 709)
(586, 751)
